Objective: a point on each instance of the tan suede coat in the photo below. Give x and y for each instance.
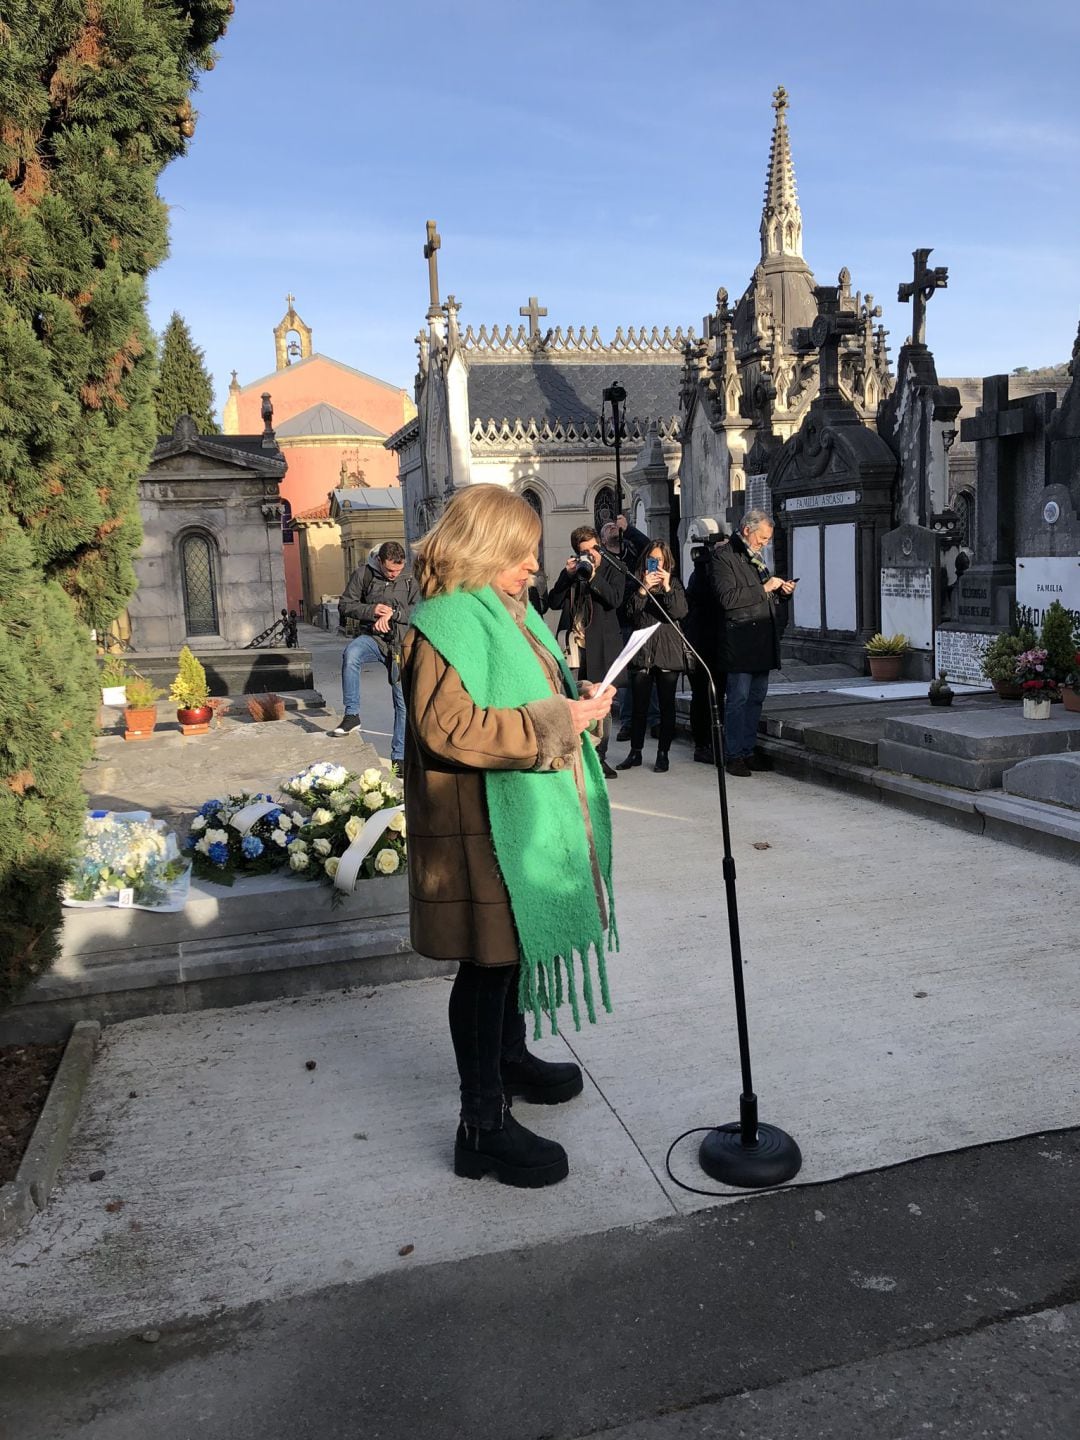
(459, 906)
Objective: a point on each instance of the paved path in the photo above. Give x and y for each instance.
(911, 990)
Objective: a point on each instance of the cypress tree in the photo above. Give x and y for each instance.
(183, 385)
(95, 99)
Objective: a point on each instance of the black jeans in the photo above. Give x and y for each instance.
(487, 1029)
(700, 716)
(641, 684)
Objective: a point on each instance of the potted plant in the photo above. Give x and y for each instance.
(1070, 690)
(1037, 684)
(999, 662)
(140, 711)
(940, 692)
(1058, 640)
(886, 655)
(191, 695)
(113, 679)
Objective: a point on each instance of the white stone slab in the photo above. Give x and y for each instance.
(900, 690)
(806, 565)
(840, 606)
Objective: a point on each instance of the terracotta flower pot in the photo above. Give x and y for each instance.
(1008, 690)
(196, 720)
(1071, 698)
(886, 667)
(139, 723)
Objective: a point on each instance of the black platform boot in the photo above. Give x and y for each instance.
(511, 1153)
(542, 1082)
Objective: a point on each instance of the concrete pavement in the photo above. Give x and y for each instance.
(911, 990)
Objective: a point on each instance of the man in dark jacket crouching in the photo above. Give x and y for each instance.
(747, 597)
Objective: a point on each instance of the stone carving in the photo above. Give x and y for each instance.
(580, 342)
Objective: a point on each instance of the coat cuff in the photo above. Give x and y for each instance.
(556, 739)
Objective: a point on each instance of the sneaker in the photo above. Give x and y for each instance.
(623, 735)
(348, 724)
(738, 767)
(759, 761)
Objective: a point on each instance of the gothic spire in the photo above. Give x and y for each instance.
(781, 218)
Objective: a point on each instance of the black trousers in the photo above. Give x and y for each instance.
(487, 1030)
(641, 685)
(700, 719)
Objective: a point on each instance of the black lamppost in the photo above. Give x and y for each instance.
(615, 396)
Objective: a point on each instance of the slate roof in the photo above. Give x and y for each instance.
(324, 419)
(374, 497)
(247, 451)
(547, 390)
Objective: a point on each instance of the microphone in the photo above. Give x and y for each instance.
(745, 1153)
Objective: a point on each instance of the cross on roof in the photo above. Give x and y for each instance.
(832, 323)
(433, 244)
(920, 289)
(290, 300)
(534, 311)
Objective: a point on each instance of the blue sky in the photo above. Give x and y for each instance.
(610, 159)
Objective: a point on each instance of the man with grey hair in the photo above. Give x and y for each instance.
(747, 598)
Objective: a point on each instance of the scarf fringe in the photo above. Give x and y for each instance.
(541, 987)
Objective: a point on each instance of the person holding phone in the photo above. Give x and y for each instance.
(747, 596)
(662, 659)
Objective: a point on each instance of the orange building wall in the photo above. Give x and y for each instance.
(315, 470)
(317, 380)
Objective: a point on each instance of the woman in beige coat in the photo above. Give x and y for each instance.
(509, 834)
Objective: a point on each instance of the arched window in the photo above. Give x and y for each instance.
(603, 507)
(200, 590)
(538, 505)
(288, 534)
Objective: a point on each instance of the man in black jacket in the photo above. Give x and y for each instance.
(747, 597)
(588, 592)
(380, 597)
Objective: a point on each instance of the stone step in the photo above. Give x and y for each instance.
(278, 938)
(972, 748)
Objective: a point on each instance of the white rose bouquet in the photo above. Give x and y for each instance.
(341, 804)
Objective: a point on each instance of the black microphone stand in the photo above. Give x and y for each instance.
(747, 1152)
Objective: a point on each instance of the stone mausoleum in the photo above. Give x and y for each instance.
(209, 570)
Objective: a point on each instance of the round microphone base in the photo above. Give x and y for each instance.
(771, 1159)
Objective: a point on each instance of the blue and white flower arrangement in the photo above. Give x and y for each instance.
(127, 859)
(341, 803)
(241, 835)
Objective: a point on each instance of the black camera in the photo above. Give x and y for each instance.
(586, 565)
(706, 545)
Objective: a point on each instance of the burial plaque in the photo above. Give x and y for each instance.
(907, 604)
(1042, 579)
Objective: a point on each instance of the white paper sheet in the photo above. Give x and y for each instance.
(629, 650)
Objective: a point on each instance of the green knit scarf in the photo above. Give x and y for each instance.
(537, 824)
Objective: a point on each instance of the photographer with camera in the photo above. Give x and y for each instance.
(380, 597)
(588, 593)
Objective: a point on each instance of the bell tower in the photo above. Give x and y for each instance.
(292, 338)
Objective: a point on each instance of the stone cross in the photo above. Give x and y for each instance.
(919, 290)
(534, 311)
(832, 324)
(434, 243)
(290, 301)
(995, 510)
